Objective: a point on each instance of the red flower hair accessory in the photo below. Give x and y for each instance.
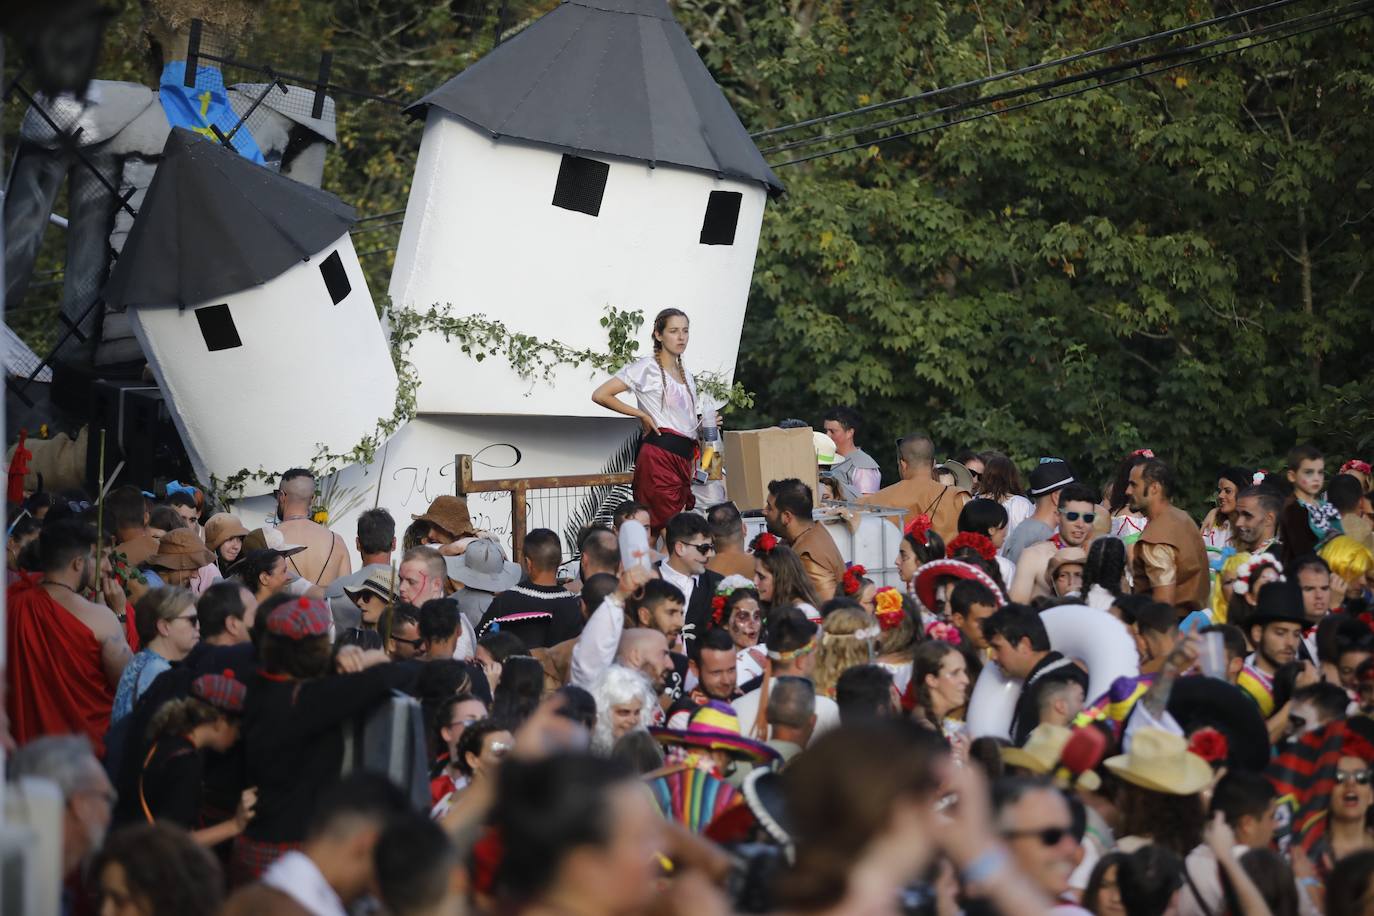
(918, 528)
(852, 575)
(979, 543)
(718, 610)
(1209, 744)
(764, 543)
(1355, 464)
(945, 632)
(1143, 453)
(887, 603)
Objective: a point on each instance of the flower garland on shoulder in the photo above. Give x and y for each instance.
(980, 544)
(727, 587)
(887, 602)
(852, 583)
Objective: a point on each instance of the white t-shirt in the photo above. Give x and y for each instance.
(1018, 510)
(747, 710)
(673, 409)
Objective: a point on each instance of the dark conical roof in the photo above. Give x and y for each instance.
(213, 223)
(609, 77)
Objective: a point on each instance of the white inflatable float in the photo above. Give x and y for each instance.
(1094, 637)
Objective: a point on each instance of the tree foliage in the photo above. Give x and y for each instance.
(1174, 262)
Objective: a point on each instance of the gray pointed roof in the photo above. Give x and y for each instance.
(213, 223)
(606, 77)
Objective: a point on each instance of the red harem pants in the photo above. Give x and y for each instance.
(663, 476)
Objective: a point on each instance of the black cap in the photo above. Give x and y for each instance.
(1049, 475)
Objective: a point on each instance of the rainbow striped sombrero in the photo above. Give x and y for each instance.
(715, 727)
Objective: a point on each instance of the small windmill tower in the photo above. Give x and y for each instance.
(246, 296)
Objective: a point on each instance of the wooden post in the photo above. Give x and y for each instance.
(519, 507)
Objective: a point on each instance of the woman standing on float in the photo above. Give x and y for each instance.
(666, 400)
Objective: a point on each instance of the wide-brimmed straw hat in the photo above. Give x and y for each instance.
(1161, 762)
(181, 549)
(963, 477)
(715, 727)
(451, 514)
(1065, 556)
(222, 526)
(928, 575)
(1041, 754)
(381, 584)
(483, 566)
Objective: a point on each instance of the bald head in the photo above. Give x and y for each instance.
(917, 451)
(646, 651)
(638, 643)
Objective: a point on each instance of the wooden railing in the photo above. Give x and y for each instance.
(520, 488)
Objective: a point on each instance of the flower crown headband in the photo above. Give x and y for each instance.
(887, 602)
(979, 543)
(764, 543)
(866, 634)
(727, 587)
(852, 583)
(1251, 568)
(1355, 464)
(918, 528)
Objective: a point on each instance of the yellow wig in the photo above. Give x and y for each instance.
(1228, 568)
(1347, 557)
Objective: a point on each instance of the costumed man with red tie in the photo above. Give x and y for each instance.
(65, 653)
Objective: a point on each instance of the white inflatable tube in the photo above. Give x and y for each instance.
(1097, 639)
(1092, 636)
(993, 703)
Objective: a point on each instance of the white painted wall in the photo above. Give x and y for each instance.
(308, 372)
(418, 465)
(482, 234)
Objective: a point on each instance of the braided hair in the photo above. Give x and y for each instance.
(661, 322)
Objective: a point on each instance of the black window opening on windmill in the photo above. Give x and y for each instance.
(722, 216)
(217, 327)
(581, 184)
(335, 277)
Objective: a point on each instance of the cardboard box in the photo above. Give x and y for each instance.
(753, 457)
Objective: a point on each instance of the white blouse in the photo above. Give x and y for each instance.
(671, 409)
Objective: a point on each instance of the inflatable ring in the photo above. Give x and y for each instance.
(1092, 636)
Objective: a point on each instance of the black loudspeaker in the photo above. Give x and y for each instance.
(138, 431)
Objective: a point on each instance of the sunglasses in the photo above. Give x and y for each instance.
(1086, 516)
(192, 619)
(1360, 778)
(1048, 836)
(413, 643)
(702, 549)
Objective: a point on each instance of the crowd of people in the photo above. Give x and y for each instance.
(1059, 698)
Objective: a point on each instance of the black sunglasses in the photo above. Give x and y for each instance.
(1344, 776)
(413, 643)
(1048, 836)
(1086, 516)
(702, 549)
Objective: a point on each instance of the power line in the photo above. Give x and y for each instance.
(1338, 20)
(1022, 71)
(1098, 72)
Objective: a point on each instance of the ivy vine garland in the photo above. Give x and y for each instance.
(480, 337)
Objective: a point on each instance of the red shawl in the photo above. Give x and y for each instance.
(56, 681)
